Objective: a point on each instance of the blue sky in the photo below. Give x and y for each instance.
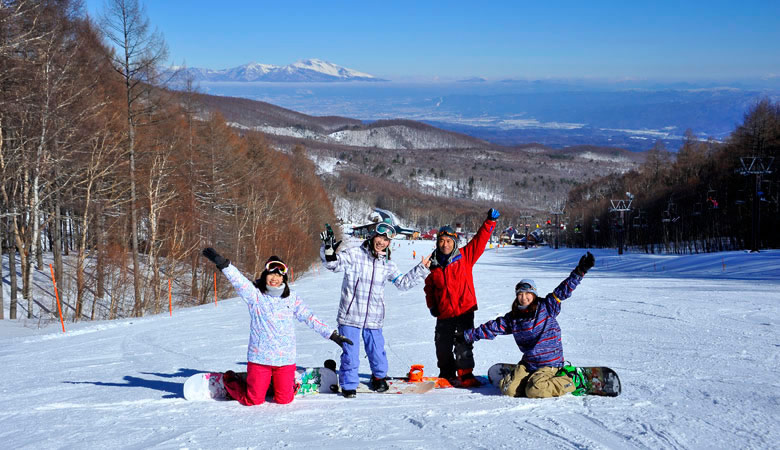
(656, 40)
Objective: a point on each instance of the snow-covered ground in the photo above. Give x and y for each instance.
(694, 338)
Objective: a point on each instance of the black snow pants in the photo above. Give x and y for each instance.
(452, 355)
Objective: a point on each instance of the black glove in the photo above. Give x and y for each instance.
(216, 258)
(327, 236)
(330, 251)
(339, 339)
(586, 263)
(493, 214)
(330, 247)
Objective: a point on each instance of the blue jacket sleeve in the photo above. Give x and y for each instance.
(490, 329)
(562, 292)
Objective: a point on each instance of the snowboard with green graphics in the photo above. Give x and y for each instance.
(210, 386)
(599, 380)
(308, 380)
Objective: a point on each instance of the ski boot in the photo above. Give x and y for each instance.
(466, 379)
(349, 393)
(379, 384)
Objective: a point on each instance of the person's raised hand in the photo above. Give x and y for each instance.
(586, 263)
(216, 258)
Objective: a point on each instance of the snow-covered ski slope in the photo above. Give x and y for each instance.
(696, 348)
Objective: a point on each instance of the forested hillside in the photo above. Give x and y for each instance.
(427, 175)
(707, 197)
(123, 181)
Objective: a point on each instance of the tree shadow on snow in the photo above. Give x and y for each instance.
(170, 388)
(181, 373)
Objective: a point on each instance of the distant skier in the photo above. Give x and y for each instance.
(362, 306)
(541, 372)
(449, 294)
(271, 353)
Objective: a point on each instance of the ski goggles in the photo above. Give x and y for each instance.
(385, 229)
(276, 267)
(449, 234)
(525, 286)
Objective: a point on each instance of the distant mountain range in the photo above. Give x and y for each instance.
(308, 70)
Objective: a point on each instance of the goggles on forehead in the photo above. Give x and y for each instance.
(449, 234)
(276, 267)
(524, 287)
(386, 229)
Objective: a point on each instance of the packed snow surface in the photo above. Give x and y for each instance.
(694, 338)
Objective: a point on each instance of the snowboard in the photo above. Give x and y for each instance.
(399, 387)
(395, 385)
(209, 385)
(603, 380)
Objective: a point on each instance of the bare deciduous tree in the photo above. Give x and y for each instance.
(138, 53)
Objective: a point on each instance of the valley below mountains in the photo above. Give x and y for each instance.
(426, 175)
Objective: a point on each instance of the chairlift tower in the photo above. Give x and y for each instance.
(621, 207)
(525, 219)
(752, 165)
(557, 211)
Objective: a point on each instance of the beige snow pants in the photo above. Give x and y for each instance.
(540, 384)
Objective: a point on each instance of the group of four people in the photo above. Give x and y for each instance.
(450, 297)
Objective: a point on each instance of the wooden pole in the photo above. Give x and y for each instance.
(170, 298)
(57, 296)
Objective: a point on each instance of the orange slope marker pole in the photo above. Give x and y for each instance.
(170, 298)
(57, 295)
(215, 288)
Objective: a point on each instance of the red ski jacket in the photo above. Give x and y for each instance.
(449, 290)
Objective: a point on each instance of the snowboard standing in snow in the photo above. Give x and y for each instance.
(209, 385)
(599, 380)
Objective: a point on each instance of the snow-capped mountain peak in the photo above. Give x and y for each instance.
(259, 67)
(327, 68)
(304, 70)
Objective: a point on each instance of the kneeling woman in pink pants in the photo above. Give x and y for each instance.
(271, 353)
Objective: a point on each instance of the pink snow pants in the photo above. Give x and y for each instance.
(258, 379)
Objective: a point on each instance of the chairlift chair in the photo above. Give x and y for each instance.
(712, 202)
(740, 197)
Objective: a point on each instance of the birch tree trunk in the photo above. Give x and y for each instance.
(12, 269)
(2, 244)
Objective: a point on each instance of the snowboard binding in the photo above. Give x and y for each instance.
(581, 382)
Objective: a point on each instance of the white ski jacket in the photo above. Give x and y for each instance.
(362, 302)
